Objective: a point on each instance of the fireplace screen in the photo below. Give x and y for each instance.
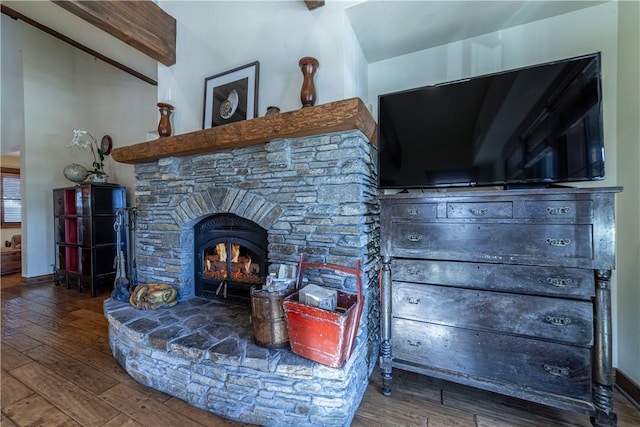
(238, 266)
(230, 257)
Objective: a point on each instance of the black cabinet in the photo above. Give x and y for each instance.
(85, 237)
(503, 290)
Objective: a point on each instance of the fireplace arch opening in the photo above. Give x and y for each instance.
(230, 257)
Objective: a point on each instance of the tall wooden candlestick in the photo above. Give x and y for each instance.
(308, 65)
(164, 127)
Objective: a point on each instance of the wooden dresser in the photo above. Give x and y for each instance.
(507, 291)
(11, 261)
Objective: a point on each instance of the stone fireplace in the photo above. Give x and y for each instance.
(212, 223)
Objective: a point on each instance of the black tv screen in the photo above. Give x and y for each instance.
(537, 125)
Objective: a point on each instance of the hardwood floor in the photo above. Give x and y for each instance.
(57, 370)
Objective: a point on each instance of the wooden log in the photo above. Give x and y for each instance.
(141, 24)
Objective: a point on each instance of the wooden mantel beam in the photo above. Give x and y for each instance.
(312, 4)
(339, 116)
(141, 24)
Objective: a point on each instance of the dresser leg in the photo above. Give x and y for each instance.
(605, 415)
(385, 367)
(385, 325)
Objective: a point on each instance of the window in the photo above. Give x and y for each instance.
(11, 199)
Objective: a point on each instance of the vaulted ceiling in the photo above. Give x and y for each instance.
(384, 29)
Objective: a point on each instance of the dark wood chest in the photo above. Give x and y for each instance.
(85, 238)
(503, 290)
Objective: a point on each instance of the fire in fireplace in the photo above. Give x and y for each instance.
(231, 257)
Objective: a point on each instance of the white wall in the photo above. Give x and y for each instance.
(213, 37)
(599, 28)
(113, 103)
(12, 124)
(591, 30)
(66, 89)
(356, 68)
(628, 220)
(49, 107)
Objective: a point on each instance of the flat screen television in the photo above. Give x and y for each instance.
(534, 126)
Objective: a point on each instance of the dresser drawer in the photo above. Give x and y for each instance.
(480, 210)
(556, 319)
(413, 211)
(553, 368)
(559, 210)
(551, 281)
(556, 244)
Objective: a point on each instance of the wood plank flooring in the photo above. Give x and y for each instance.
(57, 370)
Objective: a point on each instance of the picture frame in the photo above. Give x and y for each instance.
(231, 96)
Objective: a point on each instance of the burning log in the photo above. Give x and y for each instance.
(221, 250)
(247, 266)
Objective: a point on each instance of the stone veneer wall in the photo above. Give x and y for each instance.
(316, 195)
(201, 351)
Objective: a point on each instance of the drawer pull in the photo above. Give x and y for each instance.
(414, 237)
(413, 300)
(558, 242)
(414, 343)
(558, 282)
(413, 211)
(557, 371)
(558, 321)
(478, 212)
(413, 272)
(558, 211)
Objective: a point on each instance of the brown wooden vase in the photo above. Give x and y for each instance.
(164, 127)
(308, 66)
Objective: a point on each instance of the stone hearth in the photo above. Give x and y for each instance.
(313, 194)
(201, 351)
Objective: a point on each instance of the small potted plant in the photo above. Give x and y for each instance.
(83, 140)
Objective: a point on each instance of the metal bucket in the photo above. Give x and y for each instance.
(268, 318)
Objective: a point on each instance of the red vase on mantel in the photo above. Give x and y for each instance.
(164, 127)
(308, 66)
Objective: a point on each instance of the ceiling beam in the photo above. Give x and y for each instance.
(312, 4)
(142, 25)
(17, 15)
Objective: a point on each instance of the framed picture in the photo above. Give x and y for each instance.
(231, 96)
